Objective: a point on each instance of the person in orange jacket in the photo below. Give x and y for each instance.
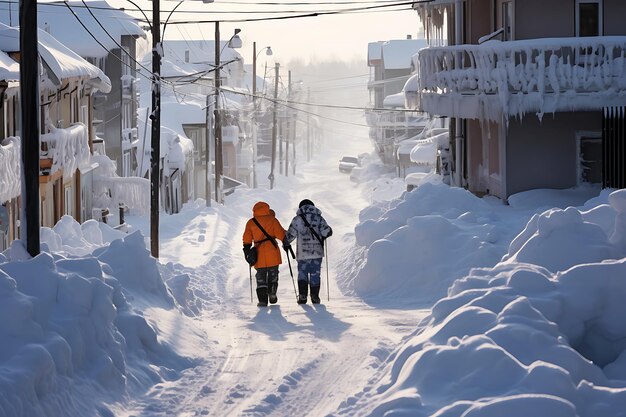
(268, 251)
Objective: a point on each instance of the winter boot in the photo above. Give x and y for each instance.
(273, 297)
(302, 289)
(261, 293)
(315, 295)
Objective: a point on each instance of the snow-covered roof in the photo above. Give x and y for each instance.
(398, 53)
(9, 69)
(170, 69)
(412, 84)
(394, 100)
(62, 62)
(61, 23)
(374, 52)
(200, 52)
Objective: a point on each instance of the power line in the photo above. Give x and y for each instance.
(330, 106)
(289, 17)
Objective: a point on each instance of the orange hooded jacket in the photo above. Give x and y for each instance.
(268, 254)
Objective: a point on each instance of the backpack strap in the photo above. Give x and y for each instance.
(271, 239)
(307, 224)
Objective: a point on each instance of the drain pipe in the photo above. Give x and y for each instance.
(458, 40)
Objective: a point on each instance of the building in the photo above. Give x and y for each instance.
(536, 91)
(68, 83)
(108, 41)
(391, 66)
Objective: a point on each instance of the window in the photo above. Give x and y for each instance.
(68, 201)
(589, 18)
(507, 20)
(126, 172)
(590, 157)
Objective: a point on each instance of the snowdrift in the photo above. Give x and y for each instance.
(72, 333)
(534, 335)
(410, 240)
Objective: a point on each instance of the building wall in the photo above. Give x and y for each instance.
(614, 15)
(395, 86)
(544, 19)
(480, 20)
(107, 108)
(557, 18)
(544, 154)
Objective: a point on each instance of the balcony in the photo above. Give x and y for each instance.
(503, 79)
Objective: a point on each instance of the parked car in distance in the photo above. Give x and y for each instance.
(355, 174)
(347, 163)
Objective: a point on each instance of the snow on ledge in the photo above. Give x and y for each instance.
(10, 168)
(496, 79)
(68, 148)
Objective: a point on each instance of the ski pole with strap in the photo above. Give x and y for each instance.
(250, 266)
(291, 271)
(327, 286)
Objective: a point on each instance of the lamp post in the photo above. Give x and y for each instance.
(255, 56)
(233, 42)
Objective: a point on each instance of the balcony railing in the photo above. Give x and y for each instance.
(540, 75)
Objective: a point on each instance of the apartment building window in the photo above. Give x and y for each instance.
(589, 18)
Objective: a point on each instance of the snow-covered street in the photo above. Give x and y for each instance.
(286, 359)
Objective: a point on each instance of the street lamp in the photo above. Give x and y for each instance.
(155, 117)
(233, 42)
(255, 56)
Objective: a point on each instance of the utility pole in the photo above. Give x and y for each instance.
(274, 126)
(29, 90)
(255, 183)
(218, 120)
(294, 125)
(155, 117)
(308, 125)
(207, 155)
(288, 127)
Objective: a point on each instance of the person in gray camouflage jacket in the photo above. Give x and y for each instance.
(311, 230)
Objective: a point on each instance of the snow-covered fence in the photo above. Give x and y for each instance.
(133, 192)
(10, 168)
(528, 75)
(68, 148)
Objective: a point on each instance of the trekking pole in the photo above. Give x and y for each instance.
(250, 266)
(291, 271)
(327, 286)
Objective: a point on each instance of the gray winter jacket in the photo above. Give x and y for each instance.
(308, 245)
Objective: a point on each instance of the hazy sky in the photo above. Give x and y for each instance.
(320, 38)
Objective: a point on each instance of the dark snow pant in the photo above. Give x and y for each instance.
(266, 282)
(309, 271)
(309, 274)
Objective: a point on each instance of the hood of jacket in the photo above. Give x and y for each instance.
(262, 209)
(308, 209)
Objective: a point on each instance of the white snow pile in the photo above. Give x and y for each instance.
(534, 335)
(11, 168)
(73, 333)
(111, 190)
(410, 240)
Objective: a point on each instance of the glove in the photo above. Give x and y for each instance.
(330, 233)
(249, 255)
(286, 245)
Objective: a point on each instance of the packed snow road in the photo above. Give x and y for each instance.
(286, 359)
